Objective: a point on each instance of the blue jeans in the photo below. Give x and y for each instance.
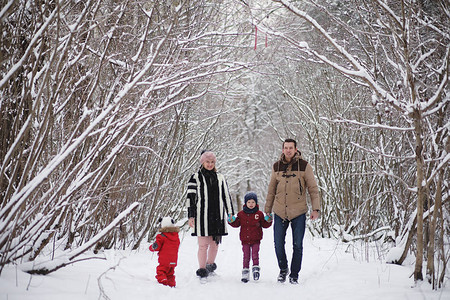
(280, 227)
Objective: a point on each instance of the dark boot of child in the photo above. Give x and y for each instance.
(255, 271)
(245, 275)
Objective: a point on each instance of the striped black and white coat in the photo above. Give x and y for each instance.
(199, 206)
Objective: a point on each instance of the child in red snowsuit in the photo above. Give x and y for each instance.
(251, 220)
(166, 244)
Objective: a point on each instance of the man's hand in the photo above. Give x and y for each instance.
(315, 214)
(191, 222)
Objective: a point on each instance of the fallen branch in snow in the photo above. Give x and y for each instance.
(99, 281)
(349, 238)
(46, 267)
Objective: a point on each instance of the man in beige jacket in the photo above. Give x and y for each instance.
(286, 198)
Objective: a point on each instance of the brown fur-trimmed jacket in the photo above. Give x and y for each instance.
(286, 195)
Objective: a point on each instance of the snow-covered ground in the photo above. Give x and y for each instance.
(331, 270)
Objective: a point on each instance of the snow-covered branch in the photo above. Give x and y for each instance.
(61, 261)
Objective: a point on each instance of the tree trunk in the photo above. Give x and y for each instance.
(420, 196)
(437, 213)
(408, 243)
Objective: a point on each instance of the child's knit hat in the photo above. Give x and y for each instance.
(250, 195)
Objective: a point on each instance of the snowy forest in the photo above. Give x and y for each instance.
(106, 105)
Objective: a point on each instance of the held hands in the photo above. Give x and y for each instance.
(231, 218)
(268, 217)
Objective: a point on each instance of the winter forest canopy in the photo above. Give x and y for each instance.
(106, 105)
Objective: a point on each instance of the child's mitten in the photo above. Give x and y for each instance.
(154, 247)
(268, 217)
(231, 218)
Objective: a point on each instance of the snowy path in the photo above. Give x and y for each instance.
(328, 272)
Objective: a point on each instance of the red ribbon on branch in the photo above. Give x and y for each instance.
(256, 37)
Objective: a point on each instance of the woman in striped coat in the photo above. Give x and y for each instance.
(208, 204)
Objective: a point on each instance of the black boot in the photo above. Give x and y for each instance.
(211, 267)
(282, 276)
(202, 273)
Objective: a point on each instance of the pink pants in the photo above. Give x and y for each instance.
(207, 251)
(253, 251)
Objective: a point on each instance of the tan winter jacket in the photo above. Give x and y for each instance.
(286, 195)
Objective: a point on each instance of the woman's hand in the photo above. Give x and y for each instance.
(231, 218)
